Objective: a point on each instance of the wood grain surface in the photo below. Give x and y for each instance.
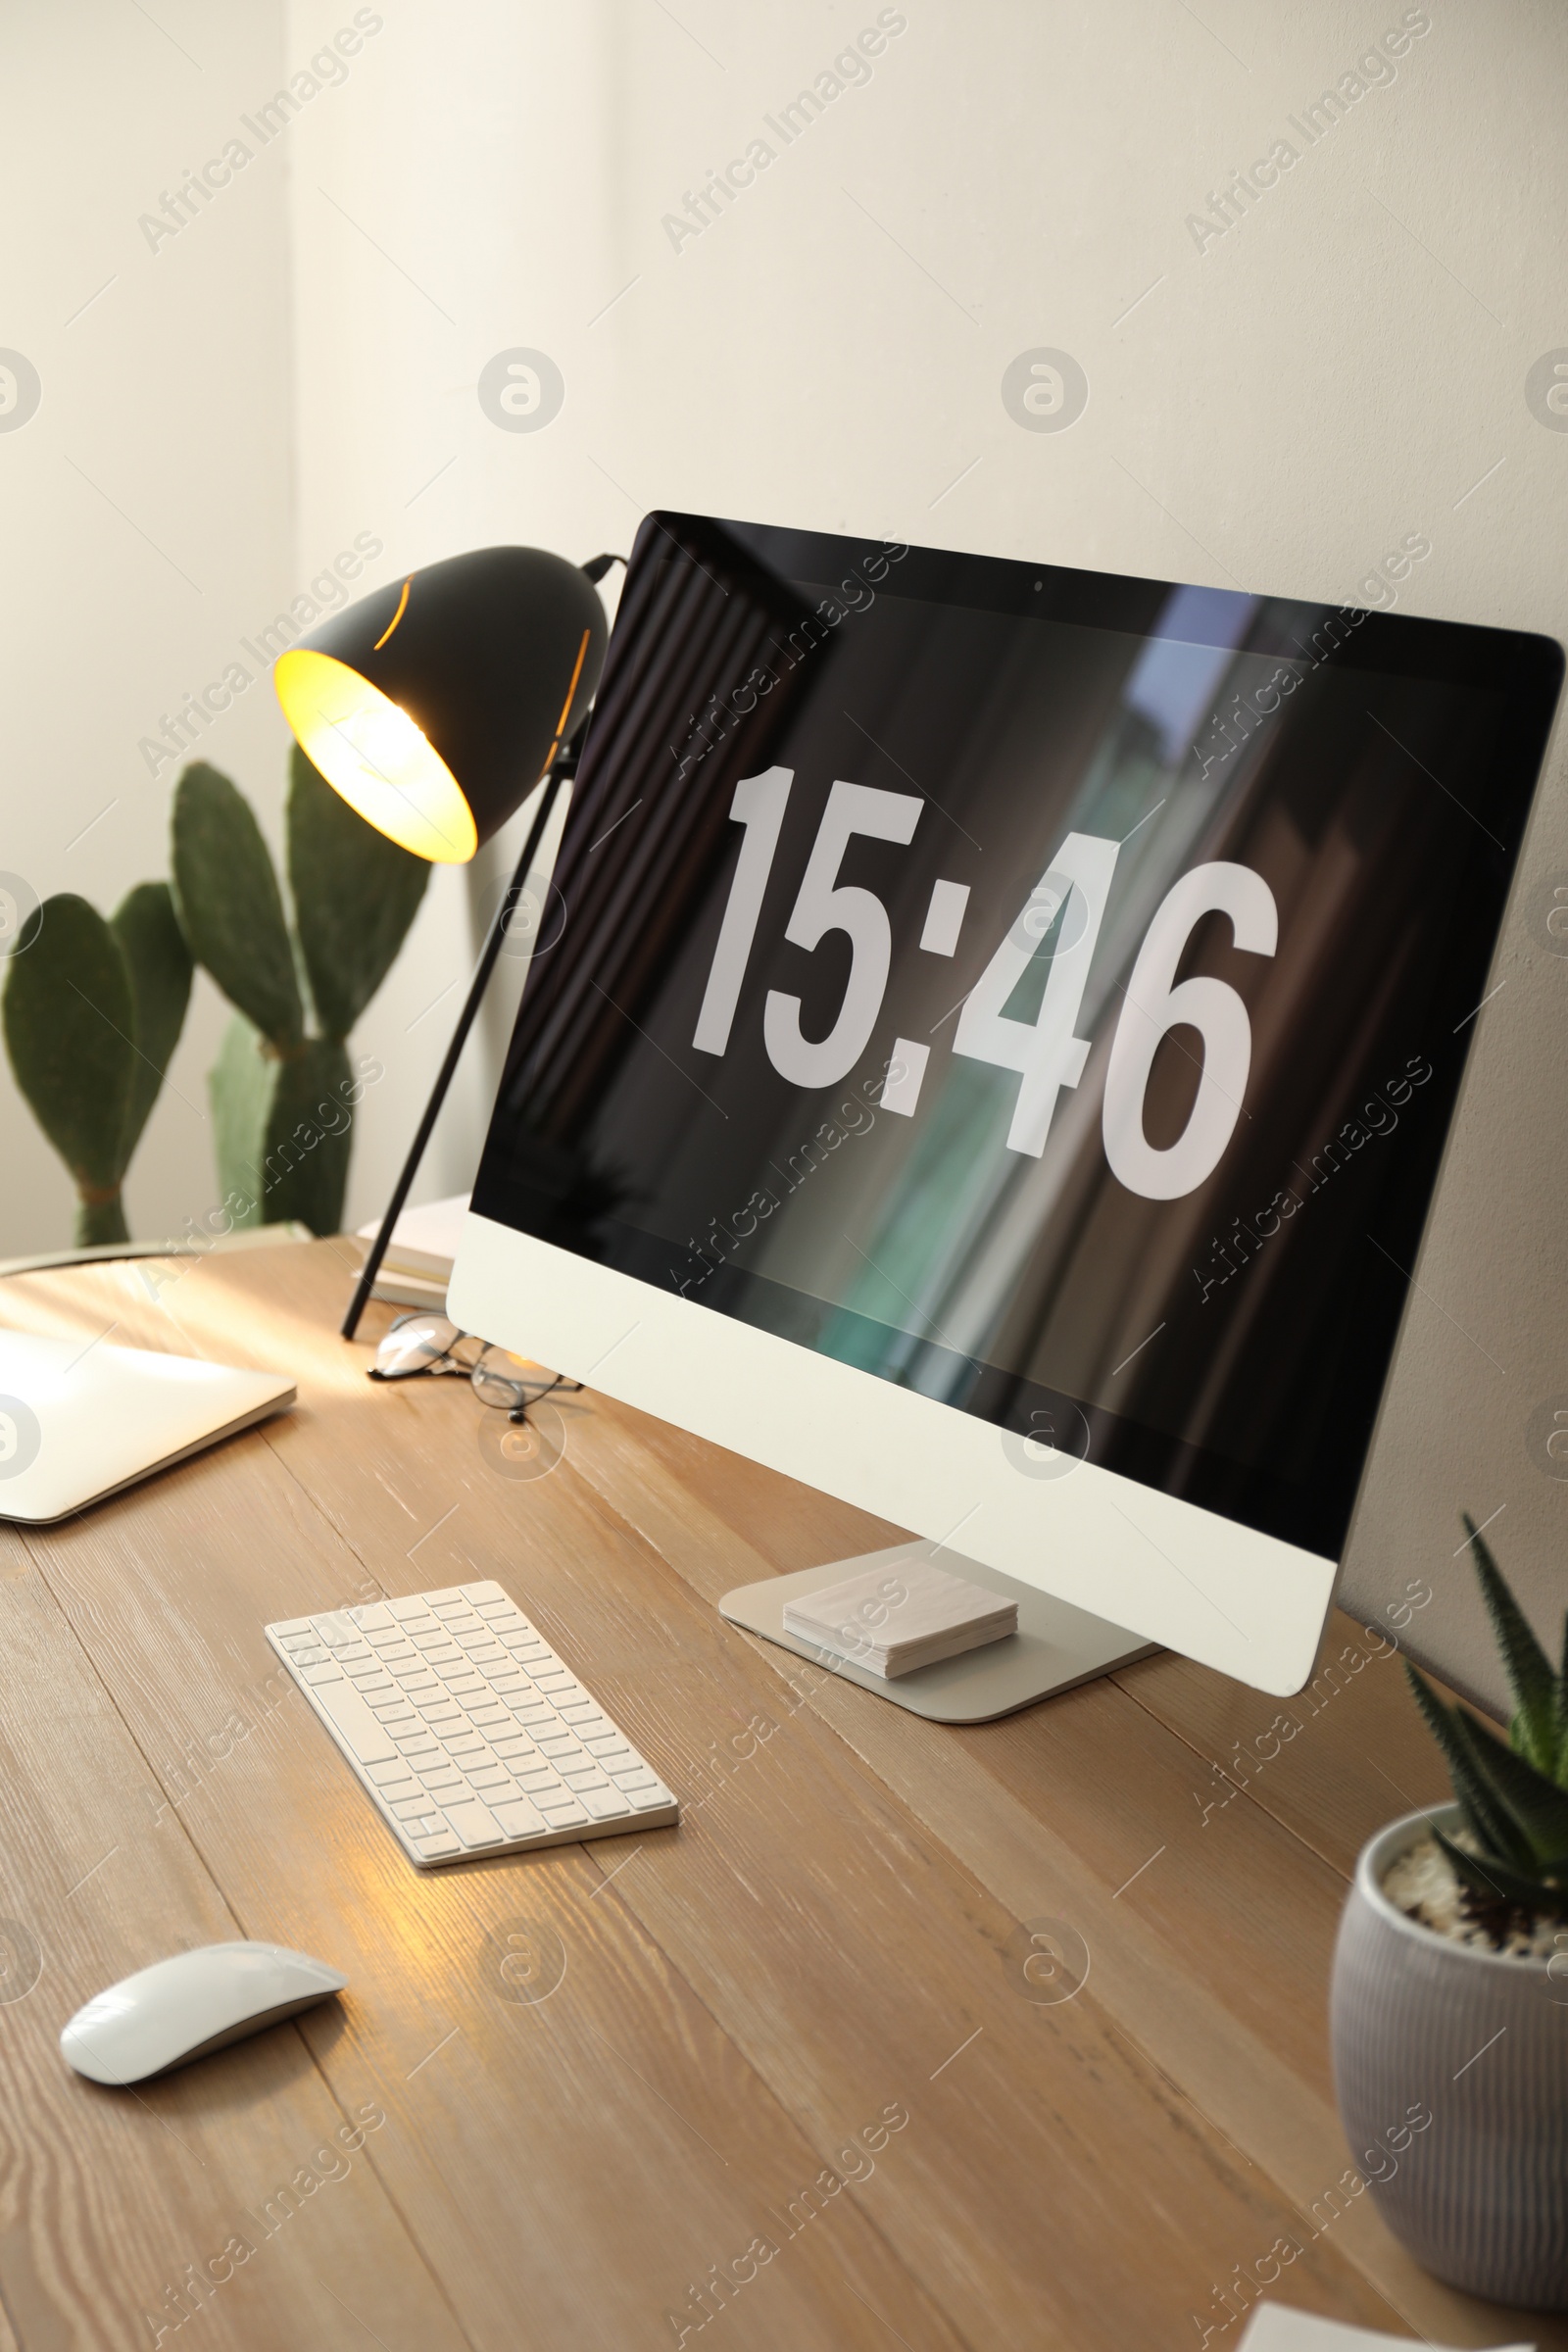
(779, 2077)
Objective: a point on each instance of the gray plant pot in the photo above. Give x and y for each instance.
(1478, 2045)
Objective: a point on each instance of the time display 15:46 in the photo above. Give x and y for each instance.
(1044, 1052)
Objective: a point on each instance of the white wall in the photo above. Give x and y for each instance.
(147, 505)
(1277, 410)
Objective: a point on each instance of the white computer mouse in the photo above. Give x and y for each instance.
(182, 2008)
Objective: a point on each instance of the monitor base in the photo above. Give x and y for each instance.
(1056, 1647)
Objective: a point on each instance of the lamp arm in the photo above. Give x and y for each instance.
(562, 770)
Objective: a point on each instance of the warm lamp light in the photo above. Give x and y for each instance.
(434, 705)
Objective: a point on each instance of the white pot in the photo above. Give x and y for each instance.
(1477, 2045)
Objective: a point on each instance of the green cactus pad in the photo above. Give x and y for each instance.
(355, 895)
(230, 907)
(240, 1089)
(309, 1134)
(157, 963)
(69, 1021)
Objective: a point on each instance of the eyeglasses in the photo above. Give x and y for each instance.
(417, 1345)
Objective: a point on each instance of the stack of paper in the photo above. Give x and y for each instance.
(1273, 2328)
(418, 1265)
(900, 1615)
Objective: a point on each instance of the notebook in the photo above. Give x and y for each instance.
(898, 1615)
(418, 1265)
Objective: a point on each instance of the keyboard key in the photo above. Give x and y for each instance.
(562, 1812)
(374, 1617)
(357, 1727)
(338, 1630)
(408, 1808)
(488, 1590)
(602, 1804)
(582, 1773)
(321, 1673)
(518, 1818)
(487, 1776)
(644, 1800)
(436, 1848)
(389, 1776)
(473, 1823)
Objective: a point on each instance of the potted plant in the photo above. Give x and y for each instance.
(92, 1010)
(1449, 1994)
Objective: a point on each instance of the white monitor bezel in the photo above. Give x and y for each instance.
(1246, 1603)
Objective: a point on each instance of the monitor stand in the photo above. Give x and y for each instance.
(1056, 1646)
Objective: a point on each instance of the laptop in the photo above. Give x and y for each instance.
(78, 1422)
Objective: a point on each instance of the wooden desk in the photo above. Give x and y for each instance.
(828, 1943)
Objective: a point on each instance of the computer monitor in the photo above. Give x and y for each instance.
(990, 1044)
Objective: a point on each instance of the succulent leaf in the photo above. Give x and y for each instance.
(1528, 1669)
(230, 907)
(68, 1025)
(158, 964)
(1492, 1824)
(309, 1133)
(355, 895)
(1536, 1805)
(1493, 1880)
(1512, 1794)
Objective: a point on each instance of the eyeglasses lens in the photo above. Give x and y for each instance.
(415, 1344)
(507, 1380)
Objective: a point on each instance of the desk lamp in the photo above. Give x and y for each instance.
(434, 707)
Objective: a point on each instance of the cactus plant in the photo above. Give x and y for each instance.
(280, 1093)
(93, 1011)
(1512, 1794)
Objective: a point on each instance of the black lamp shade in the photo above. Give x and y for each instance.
(435, 705)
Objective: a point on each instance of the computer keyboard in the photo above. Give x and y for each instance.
(465, 1727)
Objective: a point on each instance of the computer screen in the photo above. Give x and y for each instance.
(1043, 991)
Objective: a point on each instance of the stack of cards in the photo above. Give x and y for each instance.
(900, 1615)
